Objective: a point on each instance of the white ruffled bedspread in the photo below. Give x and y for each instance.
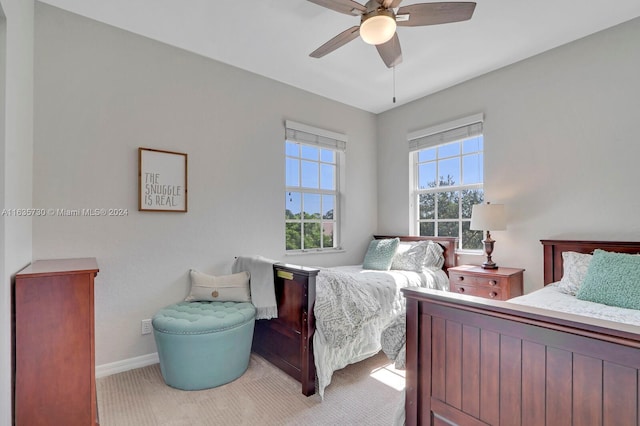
(551, 297)
(394, 339)
(352, 308)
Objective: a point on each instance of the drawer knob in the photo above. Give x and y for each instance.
(493, 294)
(461, 289)
(460, 278)
(493, 282)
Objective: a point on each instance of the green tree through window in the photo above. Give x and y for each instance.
(311, 197)
(448, 182)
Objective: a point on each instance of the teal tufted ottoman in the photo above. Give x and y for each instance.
(203, 344)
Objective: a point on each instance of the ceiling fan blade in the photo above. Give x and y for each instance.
(389, 3)
(340, 40)
(390, 52)
(348, 7)
(434, 13)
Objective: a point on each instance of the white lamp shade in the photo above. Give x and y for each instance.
(377, 29)
(488, 217)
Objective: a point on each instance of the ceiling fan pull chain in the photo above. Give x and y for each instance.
(394, 84)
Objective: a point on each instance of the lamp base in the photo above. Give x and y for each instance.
(488, 249)
(489, 265)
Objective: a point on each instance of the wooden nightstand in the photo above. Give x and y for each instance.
(500, 284)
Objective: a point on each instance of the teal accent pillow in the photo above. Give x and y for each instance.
(612, 279)
(380, 254)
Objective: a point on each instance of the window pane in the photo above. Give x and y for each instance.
(293, 172)
(453, 174)
(469, 198)
(427, 229)
(449, 171)
(327, 176)
(293, 206)
(328, 156)
(311, 235)
(327, 234)
(472, 169)
(310, 174)
(426, 155)
(471, 240)
(328, 203)
(448, 205)
(310, 152)
(311, 206)
(472, 145)
(449, 150)
(292, 149)
(427, 206)
(293, 236)
(427, 175)
(447, 229)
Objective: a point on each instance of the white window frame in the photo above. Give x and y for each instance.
(441, 134)
(325, 139)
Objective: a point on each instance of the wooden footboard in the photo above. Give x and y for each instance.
(287, 341)
(473, 361)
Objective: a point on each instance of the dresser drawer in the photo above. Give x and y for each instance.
(461, 278)
(488, 292)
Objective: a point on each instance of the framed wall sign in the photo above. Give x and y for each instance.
(162, 180)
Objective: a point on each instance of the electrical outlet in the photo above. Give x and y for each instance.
(146, 327)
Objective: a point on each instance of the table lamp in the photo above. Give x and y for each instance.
(488, 217)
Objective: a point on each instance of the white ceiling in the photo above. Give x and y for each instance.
(273, 38)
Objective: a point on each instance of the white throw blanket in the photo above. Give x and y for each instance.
(263, 295)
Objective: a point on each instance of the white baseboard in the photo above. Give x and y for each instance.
(126, 365)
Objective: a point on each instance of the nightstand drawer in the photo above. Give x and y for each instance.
(461, 278)
(481, 291)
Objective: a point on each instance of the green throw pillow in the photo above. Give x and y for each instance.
(380, 254)
(612, 279)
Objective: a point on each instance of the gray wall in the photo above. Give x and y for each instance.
(100, 94)
(561, 146)
(16, 147)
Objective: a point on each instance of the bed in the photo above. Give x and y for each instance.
(288, 341)
(474, 361)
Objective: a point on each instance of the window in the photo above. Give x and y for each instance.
(314, 163)
(447, 180)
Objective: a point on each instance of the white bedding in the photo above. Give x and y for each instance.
(382, 286)
(550, 297)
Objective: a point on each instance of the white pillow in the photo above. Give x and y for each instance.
(410, 257)
(417, 255)
(224, 288)
(574, 270)
(434, 255)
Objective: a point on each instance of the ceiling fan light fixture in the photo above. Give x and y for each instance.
(378, 27)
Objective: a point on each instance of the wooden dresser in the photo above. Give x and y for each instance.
(499, 284)
(54, 343)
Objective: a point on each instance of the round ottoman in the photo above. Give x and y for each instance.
(203, 344)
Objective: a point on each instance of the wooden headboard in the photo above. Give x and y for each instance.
(449, 245)
(553, 250)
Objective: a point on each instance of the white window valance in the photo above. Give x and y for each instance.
(451, 131)
(303, 133)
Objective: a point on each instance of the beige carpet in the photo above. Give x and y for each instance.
(264, 395)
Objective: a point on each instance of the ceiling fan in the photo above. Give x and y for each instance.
(378, 23)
